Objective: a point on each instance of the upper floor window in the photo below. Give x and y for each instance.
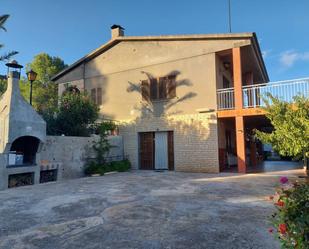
(96, 95)
(159, 89)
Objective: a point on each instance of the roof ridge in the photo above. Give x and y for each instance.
(118, 39)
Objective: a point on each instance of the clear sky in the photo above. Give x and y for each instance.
(72, 28)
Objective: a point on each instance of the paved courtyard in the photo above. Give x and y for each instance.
(140, 209)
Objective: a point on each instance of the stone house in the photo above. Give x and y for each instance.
(178, 99)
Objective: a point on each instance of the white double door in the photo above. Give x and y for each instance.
(161, 150)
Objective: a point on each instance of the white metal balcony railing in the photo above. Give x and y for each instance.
(225, 98)
(253, 94)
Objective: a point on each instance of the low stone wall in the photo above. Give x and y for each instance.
(73, 153)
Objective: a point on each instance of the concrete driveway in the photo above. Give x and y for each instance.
(140, 210)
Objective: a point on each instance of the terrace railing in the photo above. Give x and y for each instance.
(253, 94)
(225, 99)
(284, 90)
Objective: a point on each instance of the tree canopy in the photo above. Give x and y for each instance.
(46, 66)
(290, 136)
(45, 92)
(74, 116)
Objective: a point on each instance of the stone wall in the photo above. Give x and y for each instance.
(195, 140)
(73, 152)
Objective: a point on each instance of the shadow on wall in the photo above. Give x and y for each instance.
(151, 106)
(195, 143)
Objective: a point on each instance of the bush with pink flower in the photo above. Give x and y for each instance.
(291, 220)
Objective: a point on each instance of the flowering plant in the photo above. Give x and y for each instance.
(291, 219)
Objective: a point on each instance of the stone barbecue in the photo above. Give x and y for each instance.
(27, 155)
(22, 134)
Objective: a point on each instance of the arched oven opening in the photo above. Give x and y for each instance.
(23, 151)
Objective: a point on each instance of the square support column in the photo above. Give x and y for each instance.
(240, 145)
(240, 131)
(237, 75)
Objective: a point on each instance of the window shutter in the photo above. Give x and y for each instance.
(171, 87)
(93, 95)
(99, 96)
(145, 89)
(162, 88)
(153, 89)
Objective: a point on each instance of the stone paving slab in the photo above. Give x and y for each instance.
(140, 209)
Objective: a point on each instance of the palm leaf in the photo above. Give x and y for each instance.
(8, 55)
(3, 19)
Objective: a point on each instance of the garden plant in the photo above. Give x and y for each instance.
(291, 220)
(101, 148)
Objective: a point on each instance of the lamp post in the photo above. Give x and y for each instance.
(31, 75)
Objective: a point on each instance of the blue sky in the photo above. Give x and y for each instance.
(72, 28)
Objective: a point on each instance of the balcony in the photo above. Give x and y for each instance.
(253, 94)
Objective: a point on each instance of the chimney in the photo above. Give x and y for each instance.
(117, 31)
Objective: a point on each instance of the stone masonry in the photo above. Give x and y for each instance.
(73, 153)
(195, 140)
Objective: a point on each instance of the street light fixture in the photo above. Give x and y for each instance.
(31, 75)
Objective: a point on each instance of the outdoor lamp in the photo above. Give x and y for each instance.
(31, 75)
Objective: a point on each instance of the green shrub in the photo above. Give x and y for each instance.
(121, 166)
(291, 221)
(95, 168)
(102, 146)
(73, 117)
(76, 112)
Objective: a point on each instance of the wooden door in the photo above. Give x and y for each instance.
(146, 150)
